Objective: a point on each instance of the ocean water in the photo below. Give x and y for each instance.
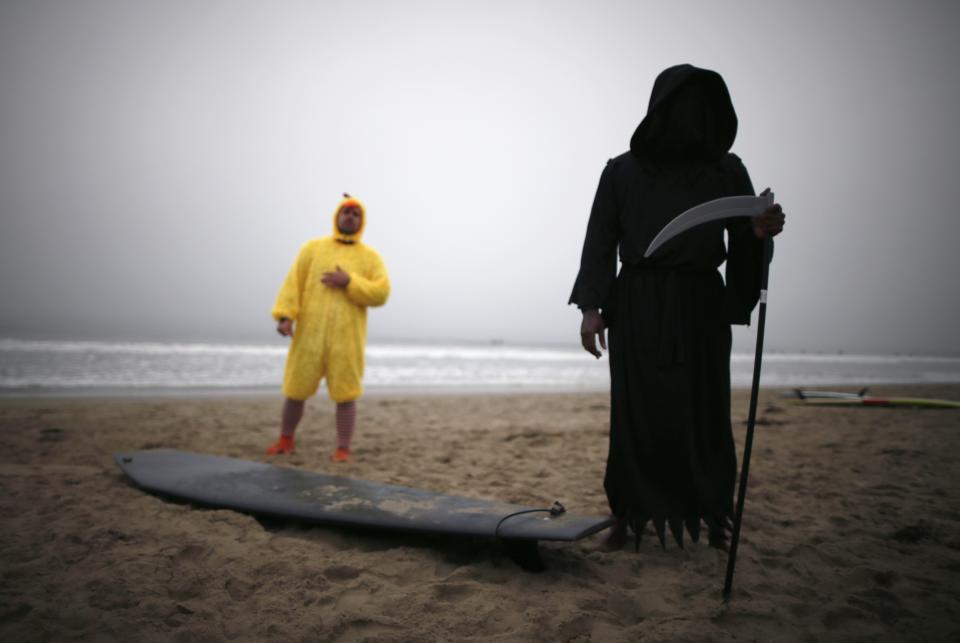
(63, 366)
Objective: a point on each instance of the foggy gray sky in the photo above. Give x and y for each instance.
(162, 162)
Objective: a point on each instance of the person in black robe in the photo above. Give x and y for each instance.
(671, 458)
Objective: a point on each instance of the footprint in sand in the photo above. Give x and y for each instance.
(839, 521)
(341, 572)
(885, 578)
(191, 554)
(355, 601)
(105, 595)
(578, 628)
(801, 610)
(239, 590)
(449, 592)
(623, 609)
(15, 612)
(274, 569)
(837, 617)
(884, 605)
(590, 604)
(51, 434)
(183, 587)
(363, 629)
(914, 533)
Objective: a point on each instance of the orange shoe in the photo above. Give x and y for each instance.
(282, 446)
(341, 455)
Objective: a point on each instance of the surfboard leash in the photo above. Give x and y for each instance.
(554, 510)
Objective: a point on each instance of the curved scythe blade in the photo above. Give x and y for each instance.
(724, 208)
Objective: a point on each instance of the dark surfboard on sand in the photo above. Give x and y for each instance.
(281, 492)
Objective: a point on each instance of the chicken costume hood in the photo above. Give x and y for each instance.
(353, 237)
(331, 323)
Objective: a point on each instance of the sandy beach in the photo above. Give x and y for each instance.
(851, 531)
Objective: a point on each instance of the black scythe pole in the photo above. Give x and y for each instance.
(751, 420)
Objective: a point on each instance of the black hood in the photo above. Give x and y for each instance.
(690, 117)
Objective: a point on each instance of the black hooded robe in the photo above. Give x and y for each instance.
(671, 457)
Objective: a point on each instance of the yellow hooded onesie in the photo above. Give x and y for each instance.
(331, 323)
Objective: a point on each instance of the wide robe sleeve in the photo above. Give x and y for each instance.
(288, 299)
(598, 262)
(372, 287)
(744, 255)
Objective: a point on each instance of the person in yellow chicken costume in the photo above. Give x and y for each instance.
(325, 296)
